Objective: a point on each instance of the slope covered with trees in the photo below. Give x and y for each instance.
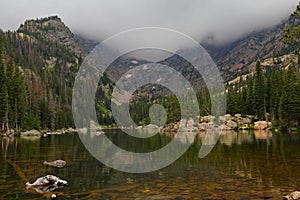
(38, 66)
(270, 94)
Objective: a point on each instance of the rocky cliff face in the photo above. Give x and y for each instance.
(52, 29)
(235, 58)
(86, 44)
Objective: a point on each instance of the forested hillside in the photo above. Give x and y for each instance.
(38, 66)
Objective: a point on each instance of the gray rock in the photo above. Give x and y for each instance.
(48, 180)
(31, 133)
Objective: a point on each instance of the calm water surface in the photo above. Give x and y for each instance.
(258, 165)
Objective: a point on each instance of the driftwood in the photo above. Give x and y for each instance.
(18, 170)
(35, 190)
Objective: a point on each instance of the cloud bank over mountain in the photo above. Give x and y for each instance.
(217, 20)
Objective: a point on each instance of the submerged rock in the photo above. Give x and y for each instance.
(293, 196)
(56, 163)
(53, 196)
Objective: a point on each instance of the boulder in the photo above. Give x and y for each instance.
(48, 180)
(244, 127)
(244, 120)
(207, 119)
(225, 118)
(231, 124)
(293, 196)
(190, 123)
(55, 133)
(31, 133)
(228, 117)
(224, 127)
(237, 115)
(205, 126)
(151, 126)
(262, 125)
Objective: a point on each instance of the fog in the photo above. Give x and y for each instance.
(218, 21)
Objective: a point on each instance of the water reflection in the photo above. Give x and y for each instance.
(242, 165)
(232, 137)
(262, 135)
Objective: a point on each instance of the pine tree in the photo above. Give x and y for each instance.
(249, 96)
(20, 99)
(4, 106)
(259, 92)
(292, 103)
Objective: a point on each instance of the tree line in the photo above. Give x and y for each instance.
(271, 94)
(33, 94)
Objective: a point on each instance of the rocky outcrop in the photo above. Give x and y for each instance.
(227, 122)
(51, 29)
(293, 196)
(63, 131)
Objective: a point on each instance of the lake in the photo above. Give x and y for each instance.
(254, 165)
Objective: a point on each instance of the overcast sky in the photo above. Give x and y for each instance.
(223, 20)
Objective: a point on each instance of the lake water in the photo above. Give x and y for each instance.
(257, 165)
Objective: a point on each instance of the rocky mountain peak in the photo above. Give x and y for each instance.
(51, 29)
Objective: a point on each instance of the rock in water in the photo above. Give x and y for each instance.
(47, 181)
(293, 196)
(56, 163)
(31, 133)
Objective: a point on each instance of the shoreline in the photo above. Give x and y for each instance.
(208, 123)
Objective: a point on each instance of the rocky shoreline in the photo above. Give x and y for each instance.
(35, 133)
(206, 124)
(224, 123)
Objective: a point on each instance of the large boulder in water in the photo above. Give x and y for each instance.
(48, 180)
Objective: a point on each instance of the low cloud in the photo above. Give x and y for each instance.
(219, 20)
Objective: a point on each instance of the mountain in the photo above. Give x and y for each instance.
(86, 44)
(234, 59)
(53, 30)
(48, 55)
